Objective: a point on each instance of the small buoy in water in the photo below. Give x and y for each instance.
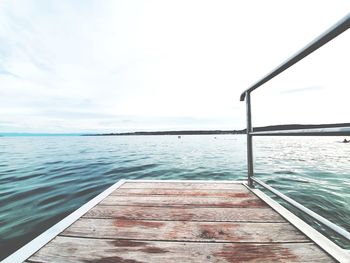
(179, 137)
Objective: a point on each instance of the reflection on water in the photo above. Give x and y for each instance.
(42, 179)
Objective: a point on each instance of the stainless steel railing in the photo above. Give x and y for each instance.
(324, 38)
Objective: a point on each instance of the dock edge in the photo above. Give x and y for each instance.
(37, 243)
(323, 242)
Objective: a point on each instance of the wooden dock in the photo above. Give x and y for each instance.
(153, 221)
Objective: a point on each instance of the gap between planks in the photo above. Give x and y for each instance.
(203, 214)
(183, 192)
(182, 185)
(205, 235)
(250, 201)
(185, 231)
(113, 250)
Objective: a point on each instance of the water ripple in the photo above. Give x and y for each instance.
(43, 179)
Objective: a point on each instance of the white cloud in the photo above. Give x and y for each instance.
(88, 65)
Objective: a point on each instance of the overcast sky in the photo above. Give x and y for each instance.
(109, 66)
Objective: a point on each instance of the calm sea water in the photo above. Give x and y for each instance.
(43, 179)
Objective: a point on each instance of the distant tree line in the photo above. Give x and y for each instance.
(212, 132)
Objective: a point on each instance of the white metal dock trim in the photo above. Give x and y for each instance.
(327, 245)
(37, 243)
(33, 246)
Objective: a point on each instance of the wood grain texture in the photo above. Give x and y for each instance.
(182, 185)
(185, 231)
(67, 249)
(186, 214)
(183, 192)
(181, 222)
(249, 202)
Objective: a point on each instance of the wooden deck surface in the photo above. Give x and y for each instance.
(181, 222)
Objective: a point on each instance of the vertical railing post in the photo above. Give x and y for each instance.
(249, 141)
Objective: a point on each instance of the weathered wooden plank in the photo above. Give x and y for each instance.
(68, 249)
(182, 185)
(184, 192)
(185, 231)
(250, 202)
(186, 214)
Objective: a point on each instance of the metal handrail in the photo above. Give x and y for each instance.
(306, 210)
(324, 38)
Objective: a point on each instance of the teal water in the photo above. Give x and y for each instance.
(42, 179)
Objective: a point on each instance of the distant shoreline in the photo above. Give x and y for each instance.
(344, 130)
(207, 132)
(228, 132)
